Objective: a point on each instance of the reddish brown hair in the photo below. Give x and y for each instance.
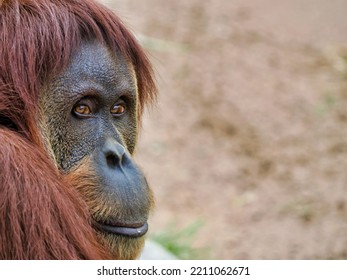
(41, 215)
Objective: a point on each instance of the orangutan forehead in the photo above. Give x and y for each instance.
(95, 68)
(97, 64)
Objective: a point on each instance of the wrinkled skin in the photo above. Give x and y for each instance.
(89, 116)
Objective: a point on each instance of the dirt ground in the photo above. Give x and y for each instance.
(250, 131)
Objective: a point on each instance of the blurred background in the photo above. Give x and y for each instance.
(246, 149)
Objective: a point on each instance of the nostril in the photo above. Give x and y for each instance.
(112, 160)
(113, 153)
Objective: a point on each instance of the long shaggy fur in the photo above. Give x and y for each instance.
(41, 216)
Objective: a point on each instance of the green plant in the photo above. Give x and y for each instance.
(180, 241)
(327, 105)
(344, 58)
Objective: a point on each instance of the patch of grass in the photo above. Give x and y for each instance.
(327, 105)
(305, 210)
(344, 58)
(180, 241)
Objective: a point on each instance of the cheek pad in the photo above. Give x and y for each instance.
(76, 140)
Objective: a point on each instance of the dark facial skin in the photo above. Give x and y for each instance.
(89, 115)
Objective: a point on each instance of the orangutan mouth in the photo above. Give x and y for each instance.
(129, 230)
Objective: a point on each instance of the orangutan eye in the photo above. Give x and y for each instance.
(82, 110)
(118, 108)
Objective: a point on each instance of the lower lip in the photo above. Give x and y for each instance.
(124, 230)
